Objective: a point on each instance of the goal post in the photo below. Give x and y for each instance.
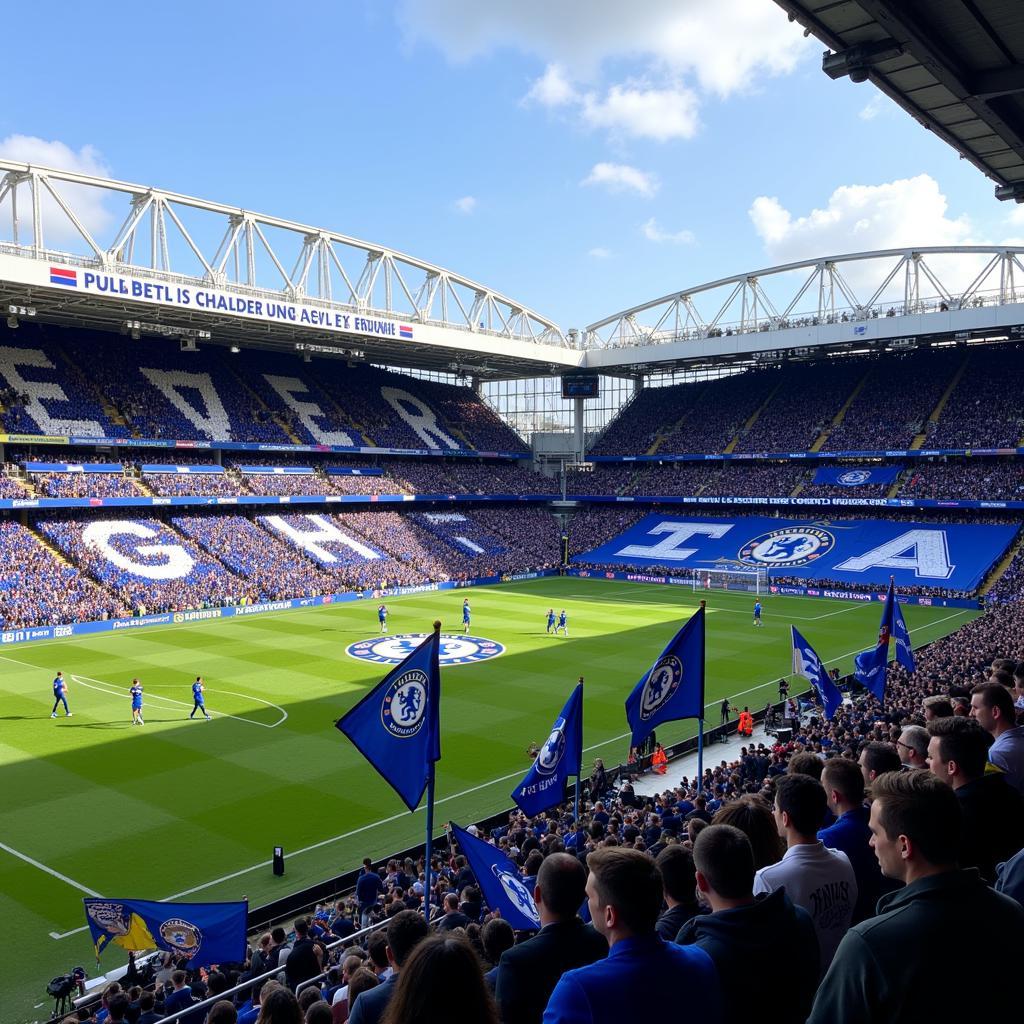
(754, 579)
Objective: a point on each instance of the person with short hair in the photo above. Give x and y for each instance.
(404, 932)
(843, 782)
(147, 1009)
(912, 746)
(679, 881)
(198, 700)
(306, 959)
(60, 695)
(895, 968)
(181, 997)
(816, 878)
(280, 1007)
(876, 758)
(993, 811)
(992, 707)
(441, 981)
(136, 691)
(936, 706)
(642, 974)
(451, 917)
(743, 933)
(528, 972)
(496, 936)
(222, 1012)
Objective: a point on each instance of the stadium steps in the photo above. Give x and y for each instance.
(897, 484)
(660, 439)
(996, 574)
(819, 442)
(109, 409)
(799, 487)
(61, 557)
(731, 446)
(920, 439)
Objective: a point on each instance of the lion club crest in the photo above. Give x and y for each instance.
(551, 752)
(517, 892)
(662, 682)
(114, 918)
(181, 935)
(787, 548)
(404, 707)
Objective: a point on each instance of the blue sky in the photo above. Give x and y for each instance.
(579, 156)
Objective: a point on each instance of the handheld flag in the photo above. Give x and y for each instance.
(901, 635)
(207, 933)
(396, 725)
(674, 685)
(499, 878)
(870, 666)
(806, 663)
(558, 759)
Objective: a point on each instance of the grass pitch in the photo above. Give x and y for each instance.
(191, 810)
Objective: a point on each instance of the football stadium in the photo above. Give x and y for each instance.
(372, 642)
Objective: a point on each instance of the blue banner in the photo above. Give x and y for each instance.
(73, 467)
(853, 453)
(806, 663)
(499, 880)
(557, 761)
(871, 666)
(396, 726)
(856, 476)
(205, 933)
(349, 471)
(276, 470)
(953, 556)
(163, 467)
(673, 687)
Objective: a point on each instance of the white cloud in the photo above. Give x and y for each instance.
(659, 114)
(599, 252)
(622, 178)
(680, 48)
(906, 212)
(552, 89)
(87, 202)
(465, 205)
(653, 232)
(873, 107)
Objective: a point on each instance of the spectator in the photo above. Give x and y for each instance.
(936, 706)
(743, 933)
(222, 1012)
(279, 1007)
(368, 890)
(452, 917)
(1010, 878)
(528, 972)
(147, 1009)
(642, 974)
(992, 810)
(912, 746)
(181, 997)
(844, 789)
(404, 932)
(992, 707)
(318, 1012)
(441, 983)
(305, 961)
(818, 879)
(496, 936)
(896, 966)
(876, 758)
(679, 883)
(753, 817)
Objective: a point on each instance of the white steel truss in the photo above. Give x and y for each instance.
(50, 214)
(857, 286)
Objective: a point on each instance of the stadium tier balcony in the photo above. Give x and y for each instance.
(192, 484)
(38, 589)
(84, 485)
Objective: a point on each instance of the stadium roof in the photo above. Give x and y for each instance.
(956, 66)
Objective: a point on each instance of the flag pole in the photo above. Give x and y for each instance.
(428, 848)
(579, 773)
(700, 727)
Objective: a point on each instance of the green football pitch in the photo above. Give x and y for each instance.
(91, 805)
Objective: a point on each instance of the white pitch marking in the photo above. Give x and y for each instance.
(50, 871)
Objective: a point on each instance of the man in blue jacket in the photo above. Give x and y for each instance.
(642, 974)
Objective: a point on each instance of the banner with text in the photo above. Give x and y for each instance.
(844, 476)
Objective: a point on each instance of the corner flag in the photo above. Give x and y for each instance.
(673, 687)
(502, 885)
(396, 725)
(806, 663)
(558, 760)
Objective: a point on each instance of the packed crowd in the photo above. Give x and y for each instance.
(987, 480)
(84, 485)
(10, 487)
(863, 848)
(192, 484)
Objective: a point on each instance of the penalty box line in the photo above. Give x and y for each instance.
(454, 796)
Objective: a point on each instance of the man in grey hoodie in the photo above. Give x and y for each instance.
(743, 934)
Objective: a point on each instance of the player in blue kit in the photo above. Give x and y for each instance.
(60, 695)
(465, 616)
(198, 701)
(757, 614)
(551, 619)
(136, 692)
(382, 617)
(563, 624)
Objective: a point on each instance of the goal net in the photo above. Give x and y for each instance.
(753, 580)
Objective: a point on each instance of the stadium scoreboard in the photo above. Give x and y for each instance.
(580, 385)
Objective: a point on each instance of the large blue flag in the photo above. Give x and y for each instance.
(207, 933)
(901, 636)
(870, 666)
(806, 663)
(558, 759)
(396, 725)
(500, 881)
(673, 686)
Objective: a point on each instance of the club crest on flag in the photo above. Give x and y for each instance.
(517, 892)
(402, 710)
(553, 750)
(662, 683)
(182, 935)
